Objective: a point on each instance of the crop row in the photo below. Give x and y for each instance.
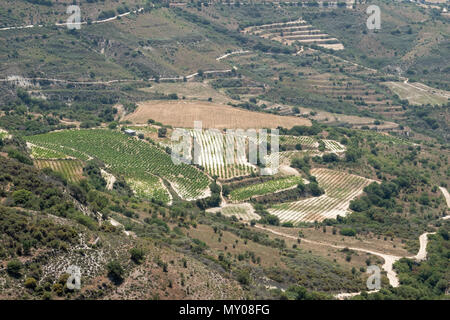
(133, 158)
(213, 154)
(263, 188)
(72, 170)
(241, 212)
(340, 188)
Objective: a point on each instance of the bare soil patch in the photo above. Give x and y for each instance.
(184, 113)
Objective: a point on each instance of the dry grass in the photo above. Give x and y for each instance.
(269, 256)
(418, 93)
(184, 113)
(190, 90)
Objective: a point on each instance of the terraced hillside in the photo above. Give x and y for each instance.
(340, 188)
(135, 159)
(298, 32)
(218, 161)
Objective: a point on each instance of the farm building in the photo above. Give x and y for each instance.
(130, 132)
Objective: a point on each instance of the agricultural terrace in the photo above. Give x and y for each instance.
(215, 160)
(333, 146)
(306, 141)
(340, 188)
(70, 169)
(45, 153)
(131, 157)
(309, 148)
(182, 114)
(285, 157)
(263, 188)
(242, 211)
(418, 93)
(298, 31)
(213, 154)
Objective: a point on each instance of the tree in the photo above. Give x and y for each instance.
(115, 272)
(162, 132)
(270, 219)
(112, 125)
(314, 188)
(359, 205)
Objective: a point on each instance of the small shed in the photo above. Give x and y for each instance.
(130, 132)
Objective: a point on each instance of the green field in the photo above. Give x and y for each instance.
(133, 158)
(72, 170)
(270, 186)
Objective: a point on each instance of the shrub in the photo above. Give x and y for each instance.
(30, 283)
(14, 268)
(137, 255)
(243, 277)
(19, 156)
(349, 232)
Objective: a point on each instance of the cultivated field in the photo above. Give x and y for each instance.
(184, 113)
(242, 211)
(70, 169)
(340, 188)
(216, 161)
(214, 158)
(263, 188)
(133, 158)
(333, 146)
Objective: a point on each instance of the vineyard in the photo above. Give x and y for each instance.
(45, 153)
(305, 141)
(243, 211)
(340, 188)
(333, 146)
(131, 157)
(215, 160)
(71, 170)
(213, 155)
(263, 188)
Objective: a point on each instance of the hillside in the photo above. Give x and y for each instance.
(323, 150)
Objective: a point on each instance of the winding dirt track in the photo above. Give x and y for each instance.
(389, 260)
(446, 196)
(81, 23)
